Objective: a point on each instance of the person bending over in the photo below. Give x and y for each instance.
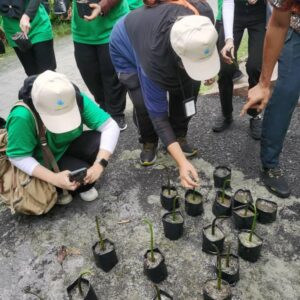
(63, 110)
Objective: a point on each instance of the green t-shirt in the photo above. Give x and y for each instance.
(219, 15)
(134, 4)
(98, 31)
(23, 140)
(40, 30)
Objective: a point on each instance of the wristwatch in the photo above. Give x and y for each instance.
(103, 162)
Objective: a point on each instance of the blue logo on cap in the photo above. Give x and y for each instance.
(60, 103)
(206, 51)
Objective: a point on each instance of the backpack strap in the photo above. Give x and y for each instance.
(48, 156)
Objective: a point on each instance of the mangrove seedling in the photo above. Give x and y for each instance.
(157, 292)
(253, 224)
(174, 209)
(219, 268)
(101, 241)
(151, 239)
(79, 283)
(213, 224)
(228, 255)
(223, 190)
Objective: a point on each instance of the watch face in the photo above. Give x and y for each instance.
(103, 162)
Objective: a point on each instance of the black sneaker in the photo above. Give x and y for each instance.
(255, 127)
(2, 123)
(275, 182)
(148, 154)
(238, 74)
(222, 123)
(121, 122)
(187, 149)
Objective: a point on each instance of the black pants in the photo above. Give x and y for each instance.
(81, 153)
(98, 73)
(252, 18)
(39, 58)
(141, 118)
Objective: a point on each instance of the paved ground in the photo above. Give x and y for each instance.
(28, 245)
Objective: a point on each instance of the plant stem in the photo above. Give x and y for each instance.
(219, 268)
(87, 272)
(246, 209)
(213, 224)
(253, 223)
(228, 255)
(151, 239)
(174, 209)
(157, 292)
(101, 241)
(223, 190)
(194, 194)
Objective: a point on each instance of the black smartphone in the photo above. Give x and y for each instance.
(78, 175)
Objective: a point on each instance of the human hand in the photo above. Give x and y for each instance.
(62, 181)
(252, 2)
(258, 98)
(228, 51)
(25, 24)
(188, 175)
(93, 173)
(95, 12)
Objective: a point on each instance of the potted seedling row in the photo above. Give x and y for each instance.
(222, 174)
(241, 197)
(222, 203)
(161, 295)
(267, 211)
(250, 243)
(168, 194)
(173, 223)
(212, 236)
(104, 251)
(193, 203)
(243, 216)
(81, 289)
(217, 289)
(154, 261)
(230, 267)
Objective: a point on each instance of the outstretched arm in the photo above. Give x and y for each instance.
(258, 96)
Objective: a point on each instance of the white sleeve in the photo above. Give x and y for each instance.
(110, 132)
(228, 18)
(25, 164)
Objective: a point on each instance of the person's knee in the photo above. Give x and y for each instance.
(131, 80)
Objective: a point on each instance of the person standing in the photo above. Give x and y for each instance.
(91, 36)
(239, 15)
(32, 19)
(282, 42)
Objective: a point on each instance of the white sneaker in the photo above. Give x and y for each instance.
(89, 195)
(64, 199)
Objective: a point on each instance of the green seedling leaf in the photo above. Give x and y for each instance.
(147, 222)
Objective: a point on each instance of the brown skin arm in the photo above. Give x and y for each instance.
(103, 7)
(259, 95)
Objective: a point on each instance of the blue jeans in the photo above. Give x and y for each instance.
(284, 99)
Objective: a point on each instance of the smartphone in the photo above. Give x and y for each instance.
(78, 175)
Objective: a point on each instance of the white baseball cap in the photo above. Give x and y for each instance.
(194, 39)
(54, 98)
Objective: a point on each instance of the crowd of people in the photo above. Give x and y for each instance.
(159, 52)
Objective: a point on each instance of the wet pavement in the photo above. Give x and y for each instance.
(127, 191)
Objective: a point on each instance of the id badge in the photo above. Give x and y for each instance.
(189, 107)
